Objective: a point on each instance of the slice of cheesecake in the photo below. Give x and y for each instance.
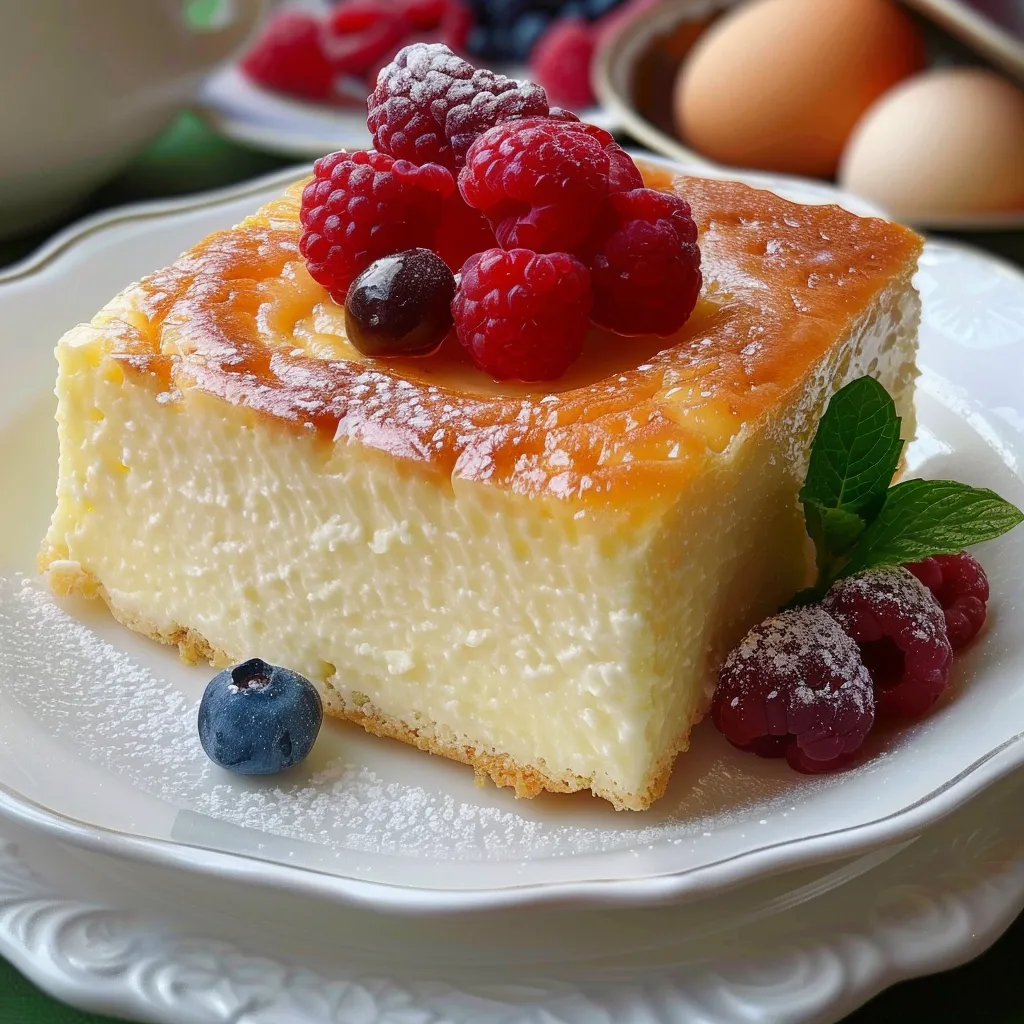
(537, 582)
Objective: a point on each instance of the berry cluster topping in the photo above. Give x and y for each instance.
(361, 206)
(901, 632)
(523, 314)
(960, 585)
(796, 687)
(543, 218)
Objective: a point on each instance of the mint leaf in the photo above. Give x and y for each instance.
(855, 453)
(931, 517)
(833, 530)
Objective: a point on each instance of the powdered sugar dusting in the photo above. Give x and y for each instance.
(894, 590)
(902, 632)
(119, 714)
(796, 681)
(808, 658)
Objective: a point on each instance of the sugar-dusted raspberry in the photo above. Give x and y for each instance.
(960, 585)
(901, 632)
(561, 61)
(364, 205)
(542, 184)
(429, 105)
(522, 315)
(289, 57)
(796, 686)
(647, 265)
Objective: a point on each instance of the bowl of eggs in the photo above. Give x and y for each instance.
(926, 123)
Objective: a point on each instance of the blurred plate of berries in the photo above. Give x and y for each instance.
(301, 87)
(98, 726)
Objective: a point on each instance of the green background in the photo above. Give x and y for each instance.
(189, 157)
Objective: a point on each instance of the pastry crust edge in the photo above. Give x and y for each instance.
(67, 578)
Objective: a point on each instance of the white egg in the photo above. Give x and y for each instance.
(947, 142)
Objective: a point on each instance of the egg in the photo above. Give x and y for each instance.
(779, 84)
(948, 142)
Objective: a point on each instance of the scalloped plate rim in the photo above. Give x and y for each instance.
(986, 901)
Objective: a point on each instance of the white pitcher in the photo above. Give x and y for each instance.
(86, 84)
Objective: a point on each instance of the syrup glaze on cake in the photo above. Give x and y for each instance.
(239, 317)
(540, 582)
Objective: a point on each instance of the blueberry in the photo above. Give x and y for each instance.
(504, 13)
(257, 719)
(478, 42)
(528, 29)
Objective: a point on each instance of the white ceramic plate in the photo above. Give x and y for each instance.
(250, 114)
(153, 944)
(97, 741)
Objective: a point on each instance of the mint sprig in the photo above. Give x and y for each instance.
(853, 515)
(855, 453)
(931, 517)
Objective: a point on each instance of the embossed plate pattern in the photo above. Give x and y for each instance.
(936, 903)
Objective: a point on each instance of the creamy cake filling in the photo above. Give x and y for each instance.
(563, 647)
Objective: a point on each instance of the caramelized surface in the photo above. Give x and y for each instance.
(239, 317)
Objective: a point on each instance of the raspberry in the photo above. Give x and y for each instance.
(796, 687)
(928, 572)
(623, 174)
(362, 206)
(560, 62)
(462, 233)
(429, 105)
(542, 184)
(901, 632)
(960, 585)
(522, 315)
(647, 266)
(289, 57)
(362, 33)
(424, 14)
(455, 26)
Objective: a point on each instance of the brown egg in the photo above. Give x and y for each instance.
(779, 84)
(949, 142)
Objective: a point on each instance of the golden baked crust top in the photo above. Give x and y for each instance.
(239, 318)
